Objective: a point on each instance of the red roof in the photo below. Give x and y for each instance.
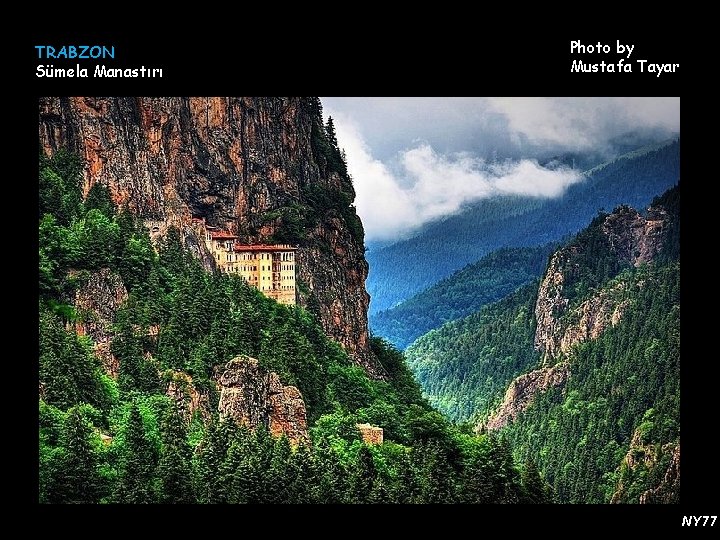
(263, 247)
(221, 235)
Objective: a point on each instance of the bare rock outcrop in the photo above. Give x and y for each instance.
(633, 240)
(97, 301)
(254, 396)
(648, 456)
(668, 490)
(592, 317)
(522, 391)
(187, 398)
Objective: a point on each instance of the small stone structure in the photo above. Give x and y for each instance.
(371, 434)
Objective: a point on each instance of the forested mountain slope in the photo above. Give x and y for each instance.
(465, 292)
(404, 269)
(161, 382)
(580, 371)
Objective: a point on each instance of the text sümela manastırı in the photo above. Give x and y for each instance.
(622, 65)
(86, 52)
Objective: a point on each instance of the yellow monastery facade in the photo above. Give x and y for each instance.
(270, 268)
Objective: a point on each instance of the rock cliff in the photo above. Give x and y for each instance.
(668, 489)
(258, 167)
(625, 238)
(642, 459)
(187, 398)
(256, 397)
(522, 390)
(629, 239)
(96, 302)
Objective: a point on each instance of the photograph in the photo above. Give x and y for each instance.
(356, 300)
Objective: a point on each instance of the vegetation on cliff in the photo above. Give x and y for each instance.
(610, 429)
(126, 440)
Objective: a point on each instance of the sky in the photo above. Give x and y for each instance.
(416, 159)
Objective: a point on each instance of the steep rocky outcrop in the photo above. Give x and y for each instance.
(630, 239)
(624, 238)
(248, 165)
(634, 238)
(668, 490)
(646, 457)
(256, 397)
(522, 391)
(187, 398)
(96, 302)
(556, 335)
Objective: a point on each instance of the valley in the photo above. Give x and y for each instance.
(222, 320)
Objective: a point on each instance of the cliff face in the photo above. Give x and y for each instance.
(523, 389)
(643, 458)
(559, 330)
(96, 302)
(248, 165)
(254, 397)
(630, 239)
(627, 238)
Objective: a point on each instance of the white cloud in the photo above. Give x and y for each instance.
(429, 185)
(581, 123)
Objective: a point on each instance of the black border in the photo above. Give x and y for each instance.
(384, 61)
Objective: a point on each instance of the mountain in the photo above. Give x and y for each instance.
(165, 380)
(581, 369)
(260, 168)
(405, 268)
(465, 292)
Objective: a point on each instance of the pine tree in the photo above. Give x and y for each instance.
(364, 477)
(404, 490)
(174, 471)
(134, 484)
(281, 474)
(79, 480)
(334, 478)
(437, 484)
(306, 484)
(476, 483)
(330, 132)
(209, 473)
(99, 198)
(135, 372)
(68, 370)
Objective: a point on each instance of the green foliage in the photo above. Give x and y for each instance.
(465, 292)
(136, 463)
(180, 318)
(136, 372)
(71, 472)
(670, 201)
(627, 380)
(174, 469)
(464, 366)
(401, 379)
(623, 385)
(99, 198)
(69, 372)
(60, 191)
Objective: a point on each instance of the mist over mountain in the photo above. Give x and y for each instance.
(402, 269)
